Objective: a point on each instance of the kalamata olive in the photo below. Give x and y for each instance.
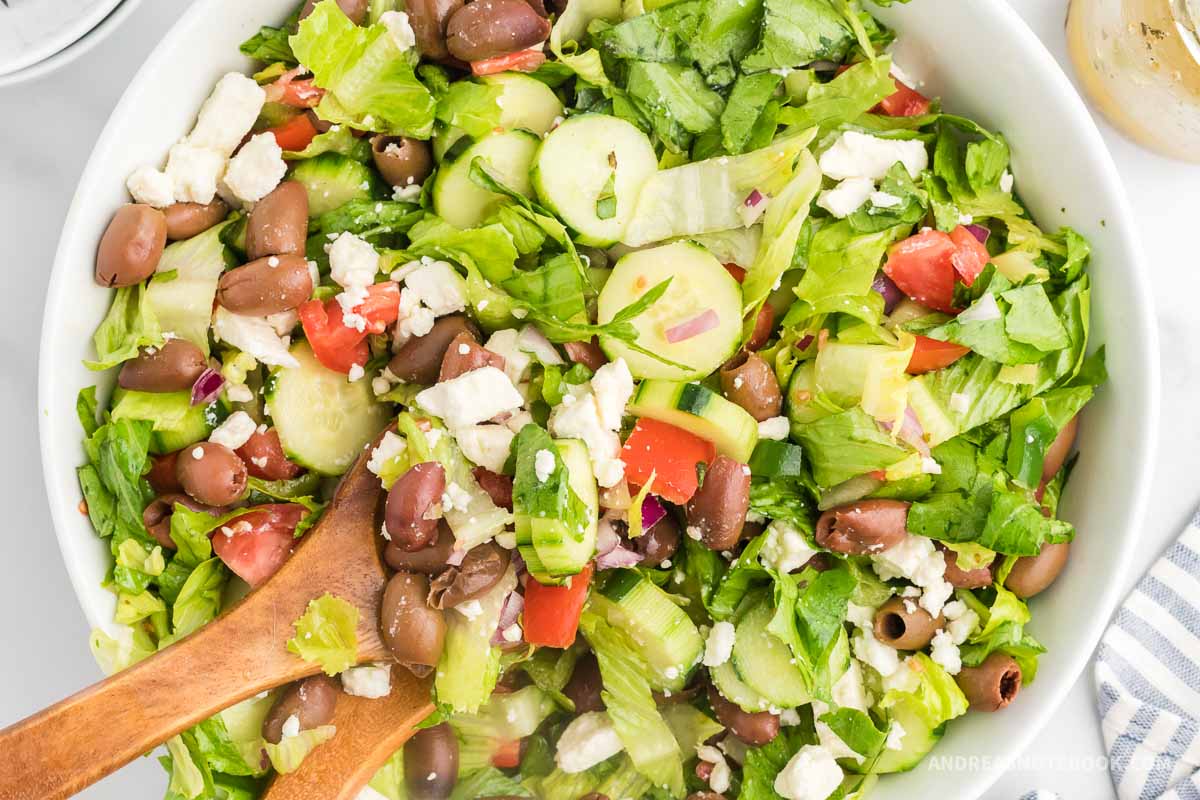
(173, 367)
(266, 285)
(993, 684)
(489, 28)
(1032, 574)
(499, 487)
(264, 457)
(904, 625)
(428, 20)
(755, 729)
(429, 560)
(321, 125)
(539, 7)
(464, 355)
(414, 632)
(211, 473)
(420, 359)
(157, 516)
(482, 568)
(400, 160)
(863, 527)
(584, 687)
(162, 476)
(278, 224)
(961, 578)
(413, 503)
(131, 246)
(763, 325)
(659, 543)
(718, 508)
(749, 381)
(356, 10)
(311, 701)
(1059, 449)
(587, 353)
(185, 220)
(431, 763)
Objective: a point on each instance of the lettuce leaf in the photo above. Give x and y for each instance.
(199, 600)
(470, 107)
(327, 634)
(728, 30)
(1002, 630)
(844, 99)
(936, 697)
(675, 100)
(660, 35)
(129, 324)
(1035, 426)
(746, 104)
(844, 445)
(292, 750)
(338, 139)
(798, 32)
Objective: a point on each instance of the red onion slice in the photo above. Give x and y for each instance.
(514, 604)
(207, 387)
(911, 432)
(979, 232)
(805, 342)
(652, 512)
(891, 292)
(701, 323)
(607, 539)
(618, 557)
(754, 198)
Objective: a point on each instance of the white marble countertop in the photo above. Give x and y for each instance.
(47, 133)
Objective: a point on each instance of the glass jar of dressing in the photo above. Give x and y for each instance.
(1139, 61)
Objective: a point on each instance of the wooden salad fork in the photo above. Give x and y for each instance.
(76, 742)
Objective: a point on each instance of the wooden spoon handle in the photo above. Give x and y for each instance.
(368, 732)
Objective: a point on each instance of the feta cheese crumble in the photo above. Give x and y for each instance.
(847, 197)
(719, 645)
(774, 428)
(256, 169)
(399, 29)
(595, 417)
(543, 465)
(811, 774)
(471, 398)
(152, 187)
(369, 680)
(389, 448)
(235, 431)
(916, 559)
(719, 778)
(785, 549)
(487, 446)
(860, 155)
(252, 335)
(589, 739)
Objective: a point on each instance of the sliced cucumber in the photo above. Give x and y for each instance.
(564, 552)
(525, 102)
(324, 420)
(764, 662)
(181, 293)
(775, 459)
(733, 689)
(701, 411)
(801, 402)
(699, 284)
(918, 739)
(508, 155)
(590, 170)
(332, 180)
(664, 634)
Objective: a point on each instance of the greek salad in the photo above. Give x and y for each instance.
(722, 388)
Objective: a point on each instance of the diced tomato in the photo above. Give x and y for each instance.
(295, 134)
(265, 458)
(338, 346)
(301, 94)
(738, 273)
(878, 474)
(930, 354)
(670, 453)
(920, 265)
(507, 754)
(904, 102)
(551, 615)
(970, 256)
(255, 545)
(520, 61)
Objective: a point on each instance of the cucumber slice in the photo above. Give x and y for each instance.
(324, 421)
(698, 284)
(764, 662)
(590, 170)
(563, 552)
(918, 740)
(525, 102)
(775, 459)
(664, 634)
(509, 155)
(701, 411)
(800, 406)
(332, 180)
(733, 689)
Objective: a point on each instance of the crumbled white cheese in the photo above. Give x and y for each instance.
(847, 197)
(785, 549)
(455, 498)
(595, 417)
(916, 559)
(369, 680)
(869, 650)
(252, 335)
(517, 362)
(353, 262)
(944, 651)
(1006, 182)
(589, 739)
(962, 621)
(355, 373)
(487, 446)
(228, 114)
(776, 428)
(470, 609)
(438, 287)
(291, 727)
(982, 310)
(235, 431)
(719, 645)
(895, 737)
(238, 393)
(257, 168)
(152, 187)
(415, 319)
(719, 778)
(512, 633)
(789, 718)
(860, 155)
(194, 172)
(930, 467)
(543, 465)
(906, 679)
(399, 29)
(471, 398)
(811, 774)
(885, 200)
(389, 448)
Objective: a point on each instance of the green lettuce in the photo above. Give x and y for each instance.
(844, 445)
(129, 324)
(747, 102)
(292, 750)
(936, 698)
(660, 35)
(798, 32)
(675, 100)
(1035, 426)
(728, 30)
(1002, 630)
(199, 600)
(470, 107)
(844, 99)
(327, 634)
(338, 139)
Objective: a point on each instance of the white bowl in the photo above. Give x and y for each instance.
(72, 51)
(981, 58)
(33, 30)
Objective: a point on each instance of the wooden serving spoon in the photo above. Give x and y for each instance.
(70, 745)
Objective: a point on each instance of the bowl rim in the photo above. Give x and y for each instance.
(71, 52)
(1144, 336)
(63, 38)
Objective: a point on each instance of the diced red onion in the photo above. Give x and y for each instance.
(607, 539)
(911, 432)
(618, 557)
(457, 554)
(805, 342)
(652, 512)
(207, 387)
(514, 604)
(754, 198)
(518, 563)
(701, 323)
(891, 292)
(979, 232)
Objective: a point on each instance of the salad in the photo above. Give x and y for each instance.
(721, 387)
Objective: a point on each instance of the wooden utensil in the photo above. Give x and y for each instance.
(72, 744)
(368, 732)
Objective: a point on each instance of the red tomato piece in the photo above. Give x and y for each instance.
(295, 134)
(300, 94)
(930, 354)
(265, 458)
(334, 344)
(970, 255)
(738, 273)
(551, 615)
(670, 453)
(507, 754)
(257, 543)
(920, 265)
(520, 61)
(904, 102)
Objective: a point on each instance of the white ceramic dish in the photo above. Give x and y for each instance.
(982, 59)
(33, 30)
(68, 54)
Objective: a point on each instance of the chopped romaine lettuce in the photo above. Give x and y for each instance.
(327, 633)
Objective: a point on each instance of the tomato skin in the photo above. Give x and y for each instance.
(507, 754)
(337, 346)
(920, 265)
(260, 541)
(520, 61)
(970, 256)
(930, 354)
(551, 615)
(295, 134)
(738, 273)
(670, 453)
(266, 448)
(904, 102)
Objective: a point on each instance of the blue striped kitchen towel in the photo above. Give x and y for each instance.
(1148, 680)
